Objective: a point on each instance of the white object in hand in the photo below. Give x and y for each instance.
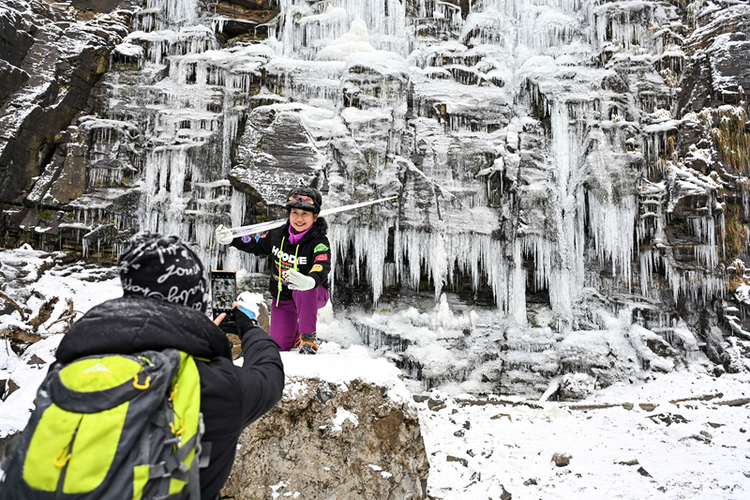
(245, 299)
(224, 235)
(298, 281)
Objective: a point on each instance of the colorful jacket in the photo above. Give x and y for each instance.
(311, 255)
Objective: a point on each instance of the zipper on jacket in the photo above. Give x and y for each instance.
(278, 281)
(278, 262)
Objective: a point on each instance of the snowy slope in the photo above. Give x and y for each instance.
(678, 435)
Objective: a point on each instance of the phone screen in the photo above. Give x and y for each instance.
(223, 291)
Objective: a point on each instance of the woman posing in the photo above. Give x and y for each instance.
(299, 278)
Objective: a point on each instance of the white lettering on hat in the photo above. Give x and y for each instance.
(178, 296)
(174, 270)
(128, 286)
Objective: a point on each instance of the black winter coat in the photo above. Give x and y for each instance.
(311, 255)
(232, 397)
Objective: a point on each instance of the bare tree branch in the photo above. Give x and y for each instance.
(15, 306)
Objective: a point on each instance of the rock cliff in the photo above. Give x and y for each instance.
(560, 164)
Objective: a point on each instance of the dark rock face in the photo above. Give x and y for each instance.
(52, 62)
(563, 167)
(16, 36)
(718, 70)
(275, 152)
(13, 78)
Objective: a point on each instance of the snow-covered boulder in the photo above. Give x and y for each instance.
(345, 428)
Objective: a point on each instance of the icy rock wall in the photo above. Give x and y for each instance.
(539, 150)
(186, 98)
(49, 64)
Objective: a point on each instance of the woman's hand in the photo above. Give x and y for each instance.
(223, 235)
(298, 281)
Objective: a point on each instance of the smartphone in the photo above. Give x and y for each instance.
(223, 294)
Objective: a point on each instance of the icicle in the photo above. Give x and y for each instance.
(613, 227)
(230, 129)
(175, 11)
(304, 29)
(517, 290)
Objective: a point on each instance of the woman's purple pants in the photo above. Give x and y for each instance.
(292, 318)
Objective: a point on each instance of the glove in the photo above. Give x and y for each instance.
(223, 235)
(243, 322)
(247, 312)
(244, 317)
(298, 281)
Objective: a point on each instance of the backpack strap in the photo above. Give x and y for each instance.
(179, 465)
(205, 454)
(194, 473)
(174, 467)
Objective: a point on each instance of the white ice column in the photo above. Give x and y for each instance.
(374, 245)
(439, 262)
(492, 264)
(370, 246)
(539, 249)
(409, 251)
(304, 30)
(612, 227)
(566, 276)
(517, 290)
(229, 130)
(176, 11)
(704, 228)
(650, 231)
(165, 202)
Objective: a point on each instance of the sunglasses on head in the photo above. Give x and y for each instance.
(304, 199)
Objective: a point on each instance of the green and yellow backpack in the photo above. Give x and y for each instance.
(112, 427)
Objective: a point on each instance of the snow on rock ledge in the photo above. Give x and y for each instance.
(346, 427)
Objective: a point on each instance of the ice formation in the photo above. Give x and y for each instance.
(579, 199)
(531, 145)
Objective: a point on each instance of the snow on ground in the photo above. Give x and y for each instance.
(681, 435)
(692, 449)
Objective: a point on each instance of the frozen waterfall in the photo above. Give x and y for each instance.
(523, 165)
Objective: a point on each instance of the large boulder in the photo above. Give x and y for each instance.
(342, 433)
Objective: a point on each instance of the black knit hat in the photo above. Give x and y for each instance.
(304, 198)
(165, 268)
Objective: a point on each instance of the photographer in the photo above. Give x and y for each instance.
(163, 305)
